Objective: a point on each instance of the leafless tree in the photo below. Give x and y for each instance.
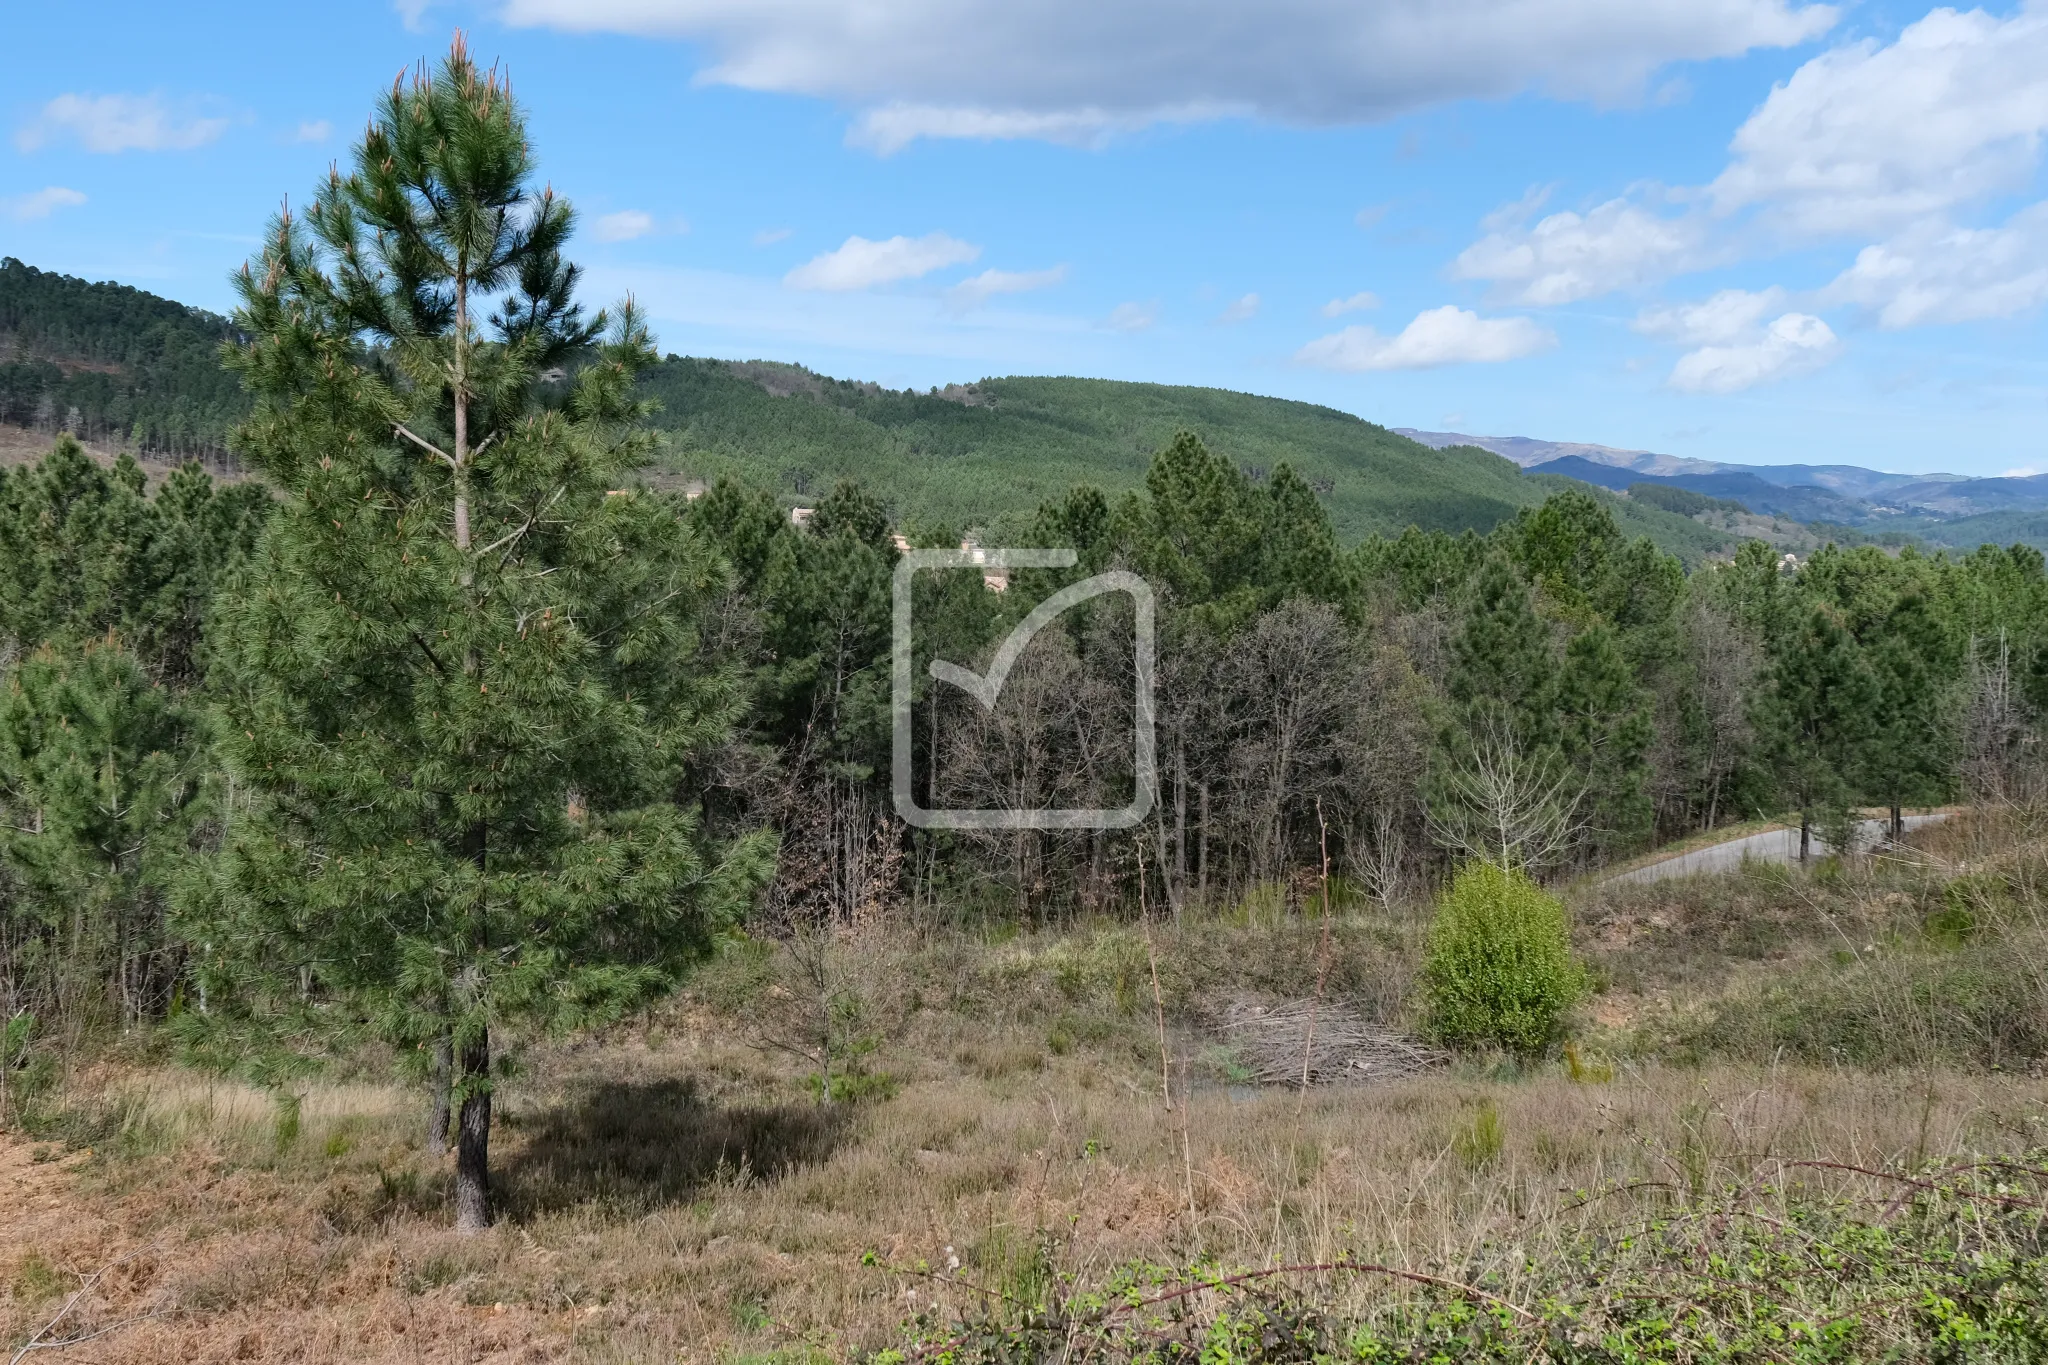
(1386, 753)
(1379, 855)
(2002, 759)
(1725, 664)
(1043, 746)
(1507, 801)
(1291, 679)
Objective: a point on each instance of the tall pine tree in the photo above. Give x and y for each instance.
(1815, 720)
(1914, 664)
(462, 680)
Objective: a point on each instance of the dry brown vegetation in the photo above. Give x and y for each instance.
(673, 1189)
(25, 446)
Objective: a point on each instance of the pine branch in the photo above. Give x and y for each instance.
(426, 445)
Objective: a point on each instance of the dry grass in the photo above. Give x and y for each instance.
(647, 1222)
(673, 1191)
(23, 446)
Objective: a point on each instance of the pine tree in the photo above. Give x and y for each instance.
(462, 680)
(1298, 552)
(1199, 535)
(1913, 662)
(1603, 720)
(1565, 545)
(74, 540)
(100, 788)
(1501, 655)
(1816, 717)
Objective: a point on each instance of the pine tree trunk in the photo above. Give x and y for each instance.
(1898, 823)
(1805, 836)
(442, 1084)
(473, 1141)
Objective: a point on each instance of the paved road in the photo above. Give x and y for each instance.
(1772, 846)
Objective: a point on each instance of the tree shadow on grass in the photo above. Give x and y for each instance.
(638, 1147)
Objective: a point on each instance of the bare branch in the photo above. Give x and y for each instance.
(38, 1342)
(426, 445)
(1509, 803)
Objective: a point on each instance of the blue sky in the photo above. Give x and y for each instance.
(1746, 230)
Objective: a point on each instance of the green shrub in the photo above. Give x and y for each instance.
(1500, 971)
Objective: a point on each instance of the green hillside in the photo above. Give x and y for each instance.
(1986, 528)
(124, 367)
(113, 363)
(987, 453)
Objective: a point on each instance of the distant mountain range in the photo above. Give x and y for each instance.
(1847, 494)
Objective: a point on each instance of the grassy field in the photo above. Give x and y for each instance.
(1004, 1147)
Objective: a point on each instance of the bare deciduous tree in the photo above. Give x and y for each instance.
(1507, 801)
(1725, 664)
(2002, 762)
(1291, 681)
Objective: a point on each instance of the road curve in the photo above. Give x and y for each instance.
(1771, 846)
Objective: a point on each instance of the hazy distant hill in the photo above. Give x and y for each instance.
(1852, 480)
(1798, 502)
(1943, 509)
(1971, 497)
(1527, 451)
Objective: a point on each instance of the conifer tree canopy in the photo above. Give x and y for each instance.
(463, 678)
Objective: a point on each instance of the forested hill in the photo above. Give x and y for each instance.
(982, 453)
(124, 367)
(113, 364)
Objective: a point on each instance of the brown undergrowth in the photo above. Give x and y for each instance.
(676, 1190)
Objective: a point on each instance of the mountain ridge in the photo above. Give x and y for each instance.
(1845, 494)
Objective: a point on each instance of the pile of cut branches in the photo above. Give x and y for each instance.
(1321, 1042)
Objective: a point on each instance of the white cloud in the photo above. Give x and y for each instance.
(1370, 214)
(1797, 343)
(1358, 302)
(875, 333)
(1867, 140)
(976, 290)
(412, 13)
(623, 226)
(1240, 310)
(1132, 317)
(1728, 316)
(1571, 256)
(770, 236)
(117, 123)
(1518, 213)
(314, 130)
(2025, 471)
(1078, 70)
(1441, 336)
(1867, 137)
(896, 125)
(41, 203)
(862, 264)
(1939, 274)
